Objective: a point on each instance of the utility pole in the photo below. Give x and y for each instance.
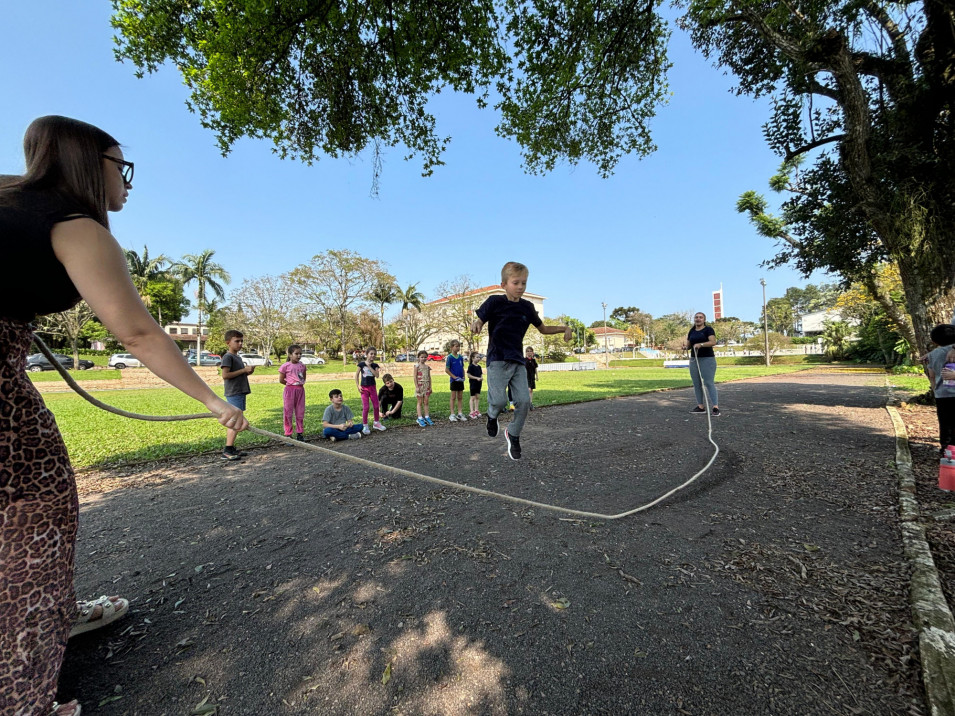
(606, 352)
(765, 323)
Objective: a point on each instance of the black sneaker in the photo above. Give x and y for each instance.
(300, 437)
(491, 427)
(513, 445)
(230, 454)
(698, 410)
(716, 412)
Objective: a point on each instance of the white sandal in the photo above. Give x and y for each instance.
(77, 709)
(111, 612)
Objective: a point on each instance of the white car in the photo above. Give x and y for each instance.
(254, 359)
(309, 358)
(124, 360)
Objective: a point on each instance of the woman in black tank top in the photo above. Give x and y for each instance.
(54, 236)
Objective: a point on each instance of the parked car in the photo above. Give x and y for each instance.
(435, 356)
(406, 358)
(37, 362)
(309, 358)
(124, 360)
(254, 359)
(205, 358)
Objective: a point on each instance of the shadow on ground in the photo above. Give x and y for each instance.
(297, 583)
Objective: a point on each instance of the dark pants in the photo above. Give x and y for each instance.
(945, 408)
(387, 405)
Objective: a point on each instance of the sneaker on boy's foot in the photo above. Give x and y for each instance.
(300, 437)
(453, 418)
(365, 430)
(428, 420)
(356, 436)
(513, 445)
(230, 453)
(698, 410)
(379, 426)
(461, 418)
(332, 438)
(491, 427)
(716, 412)
(422, 423)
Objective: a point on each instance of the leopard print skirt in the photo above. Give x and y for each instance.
(38, 518)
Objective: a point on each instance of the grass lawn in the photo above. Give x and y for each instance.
(95, 437)
(910, 383)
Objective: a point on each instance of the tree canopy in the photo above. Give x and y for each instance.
(571, 81)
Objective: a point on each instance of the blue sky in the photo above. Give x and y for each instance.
(661, 234)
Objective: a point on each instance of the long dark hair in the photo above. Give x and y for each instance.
(64, 156)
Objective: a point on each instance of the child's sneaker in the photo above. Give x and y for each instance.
(422, 423)
(513, 445)
(332, 438)
(356, 436)
(461, 418)
(491, 427)
(453, 418)
(300, 437)
(365, 430)
(716, 412)
(475, 415)
(379, 426)
(698, 410)
(428, 420)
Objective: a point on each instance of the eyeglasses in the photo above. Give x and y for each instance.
(125, 168)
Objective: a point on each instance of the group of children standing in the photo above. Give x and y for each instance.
(511, 376)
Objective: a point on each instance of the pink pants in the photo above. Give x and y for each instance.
(368, 393)
(293, 408)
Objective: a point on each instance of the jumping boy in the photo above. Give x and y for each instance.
(235, 378)
(507, 318)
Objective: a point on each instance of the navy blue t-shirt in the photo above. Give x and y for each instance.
(507, 322)
(701, 336)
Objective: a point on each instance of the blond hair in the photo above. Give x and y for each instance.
(513, 268)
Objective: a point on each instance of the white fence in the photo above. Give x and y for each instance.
(582, 365)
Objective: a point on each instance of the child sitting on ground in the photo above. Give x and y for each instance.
(390, 397)
(338, 423)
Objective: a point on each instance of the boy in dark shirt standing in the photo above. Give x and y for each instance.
(507, 318)
(235, 377)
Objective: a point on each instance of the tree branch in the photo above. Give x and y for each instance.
(793, 153)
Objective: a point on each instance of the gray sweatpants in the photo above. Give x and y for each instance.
(708, 368)
(500, 374)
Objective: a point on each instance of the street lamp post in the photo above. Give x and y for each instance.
(606, 352)
(765, 323)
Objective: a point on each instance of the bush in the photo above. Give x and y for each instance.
(907, 370)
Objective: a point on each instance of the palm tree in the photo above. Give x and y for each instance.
(142, 270)
(207, 274)
(411, 297)
(384, 293)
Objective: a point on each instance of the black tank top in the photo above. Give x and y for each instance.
(32, 280)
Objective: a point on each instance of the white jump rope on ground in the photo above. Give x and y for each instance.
(397, 470)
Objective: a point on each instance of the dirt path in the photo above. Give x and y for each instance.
(291, 583)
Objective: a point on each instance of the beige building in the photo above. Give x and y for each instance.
(186, 332)
(610, 338)
(472, 301)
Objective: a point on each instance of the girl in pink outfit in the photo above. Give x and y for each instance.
(365, 381)
(292, 376)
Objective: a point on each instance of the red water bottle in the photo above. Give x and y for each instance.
(946, 470)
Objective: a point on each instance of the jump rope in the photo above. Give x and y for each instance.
(397, 470)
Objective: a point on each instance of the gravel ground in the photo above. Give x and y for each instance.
(293, 583)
